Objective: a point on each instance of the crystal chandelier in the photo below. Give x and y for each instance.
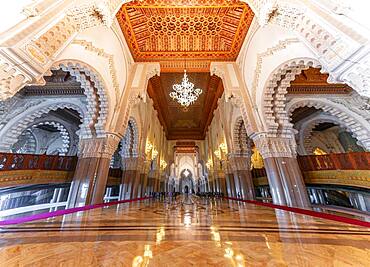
(184, 93)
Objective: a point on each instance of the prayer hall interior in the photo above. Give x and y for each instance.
(184, 133)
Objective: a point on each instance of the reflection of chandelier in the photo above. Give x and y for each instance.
(184, 93)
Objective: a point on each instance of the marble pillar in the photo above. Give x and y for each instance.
(131, 184)
(239, 166)
(284, 175)
(247, 190)
(90, 177)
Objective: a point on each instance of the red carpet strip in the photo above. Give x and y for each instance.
(312, 213)
(46, 215)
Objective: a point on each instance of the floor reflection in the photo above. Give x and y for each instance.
(186, 231)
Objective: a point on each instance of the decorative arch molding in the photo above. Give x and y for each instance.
(342, 51)
(274, 95)
(130, 141)
(307, 127)
(358, 126)
(241, 144)
(13, 129)
(95, 91)
(66, 139)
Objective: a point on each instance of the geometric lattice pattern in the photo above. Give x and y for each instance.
(205, 32)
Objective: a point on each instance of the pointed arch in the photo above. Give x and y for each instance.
(354, 123)
(95, 92)
(13, 129)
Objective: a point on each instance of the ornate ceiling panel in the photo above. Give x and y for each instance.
(179, 124)
(173, 30)
(312, 81)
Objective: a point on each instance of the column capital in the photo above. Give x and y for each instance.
(133, 163)
(102, 147)
(238, 163)
(275, 146)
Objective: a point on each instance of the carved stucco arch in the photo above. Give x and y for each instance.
(130, 141)
(306, 128)
(324, 34)
(95, 92)
(358, 126)
(14, 128)
(240, 136)
(64, 133)
(74, 133)
(274, 94)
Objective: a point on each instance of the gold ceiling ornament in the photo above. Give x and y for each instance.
(184, 93)
(256, 159)
(209, 164)
(163, 164)
(148, 147)
(218, 153)
(183, 3)
(154, 153)
(223, 148)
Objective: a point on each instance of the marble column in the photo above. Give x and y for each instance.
(221, 182)
(240, 167)
(132, 168)
(90, 177)
(284, 175)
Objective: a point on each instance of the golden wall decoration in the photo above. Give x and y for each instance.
(356, 178)
(28, 177)
(256, 159)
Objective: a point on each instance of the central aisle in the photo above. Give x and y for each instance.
(190, 231)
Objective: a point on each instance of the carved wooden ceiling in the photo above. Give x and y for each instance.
(167, 30)
(191, 124)
(312, 81)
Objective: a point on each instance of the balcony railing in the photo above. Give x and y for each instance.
(342, 161)
(11, 162)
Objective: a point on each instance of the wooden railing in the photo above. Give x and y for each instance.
(116, 172)
(10, 161)
(259, 173)
(342, 161)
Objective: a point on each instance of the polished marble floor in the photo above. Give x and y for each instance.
(190, 231)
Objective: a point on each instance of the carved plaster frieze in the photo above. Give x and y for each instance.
(12, 77)
(112, 69)
(133, 163)
(283, 44)
(275, 146)
(356, 103)
(343, 53)
(103, 147)
(238, 163)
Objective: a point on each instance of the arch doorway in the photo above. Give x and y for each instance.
(186, 182)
